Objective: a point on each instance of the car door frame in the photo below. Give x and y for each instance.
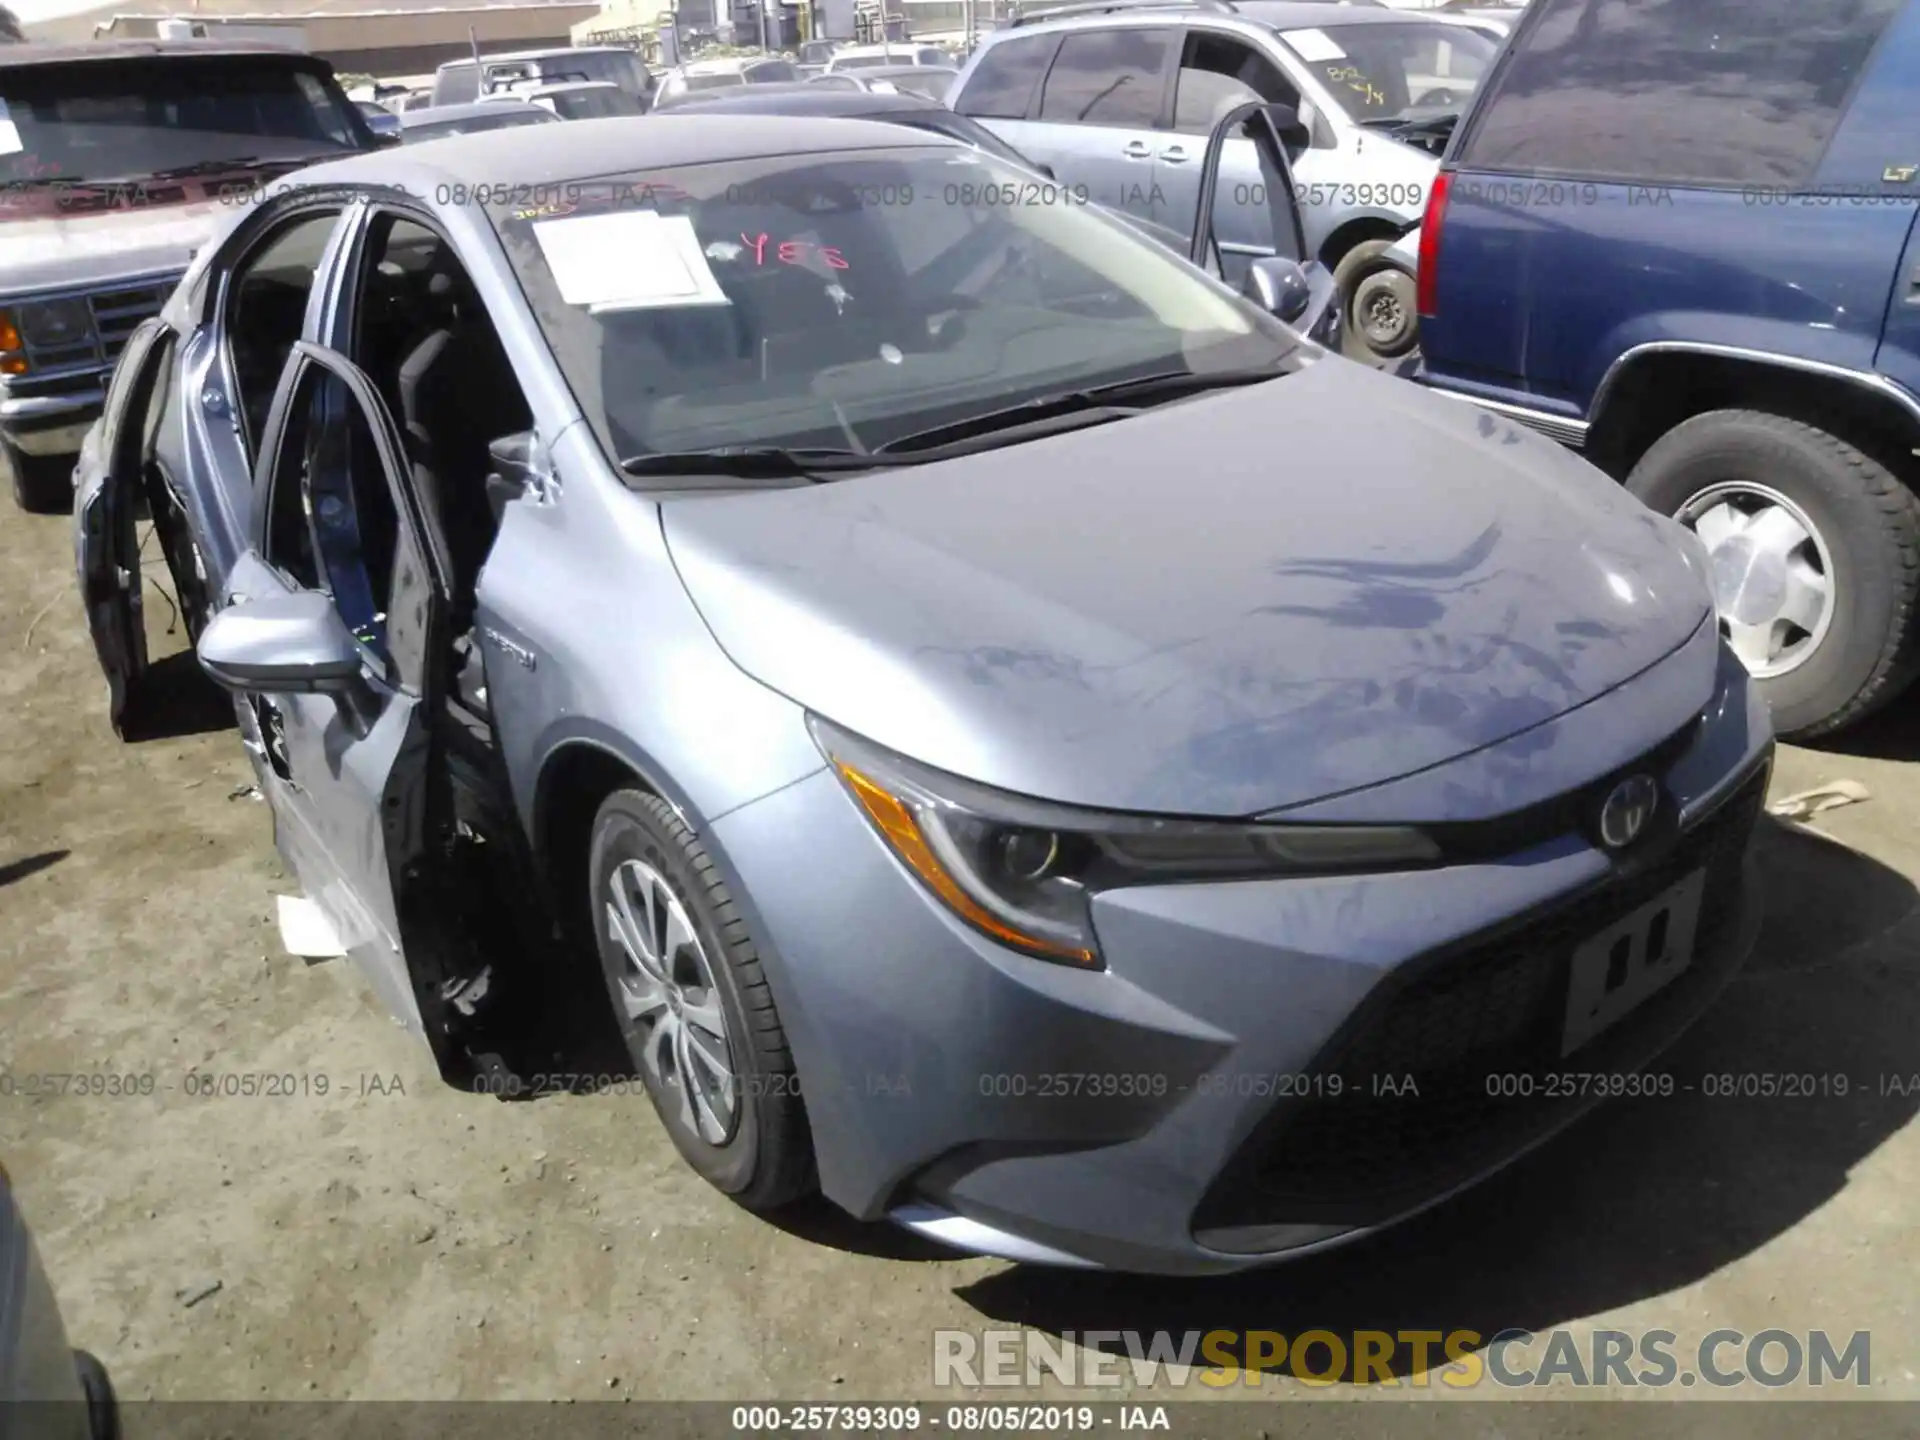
(107, 546)
(215, 418)
(389, 935)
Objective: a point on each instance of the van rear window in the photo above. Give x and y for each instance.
(1701, 92)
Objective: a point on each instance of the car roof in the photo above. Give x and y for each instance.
(727, 64)
(811, 100)
(541, 54)
(1270, 14)
(430, 114)
(520, 157)
(13, 57)
(888, 72)
(566, 87)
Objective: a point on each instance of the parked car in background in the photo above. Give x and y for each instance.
(439, 121)
(1319, 318)
(48, 1390)
(580, 100)
(697, 75)
(124, 157)
(1116, 96)
(817, 52)
(380, 120)
(861, 57)
(458, 82)
(1249, 750)
(932, 81)
(1696, 260)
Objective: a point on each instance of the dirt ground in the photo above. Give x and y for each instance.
(398, 1239)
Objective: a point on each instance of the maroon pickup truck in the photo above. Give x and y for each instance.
(117, 160)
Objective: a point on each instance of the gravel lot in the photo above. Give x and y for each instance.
(398, 1239)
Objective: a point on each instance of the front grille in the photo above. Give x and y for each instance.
(117, 313)
(1493, 1005)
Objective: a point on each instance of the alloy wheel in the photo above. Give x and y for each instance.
(668, 993)
(1773, 577)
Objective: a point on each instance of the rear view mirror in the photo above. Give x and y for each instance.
(284, 644)
(1278, 286)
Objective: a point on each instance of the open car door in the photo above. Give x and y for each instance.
(335, 636)
(111, 486)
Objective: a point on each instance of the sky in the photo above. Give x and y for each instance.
(31, 11)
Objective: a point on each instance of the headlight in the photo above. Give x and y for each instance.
(1023, 871)
(55, 324)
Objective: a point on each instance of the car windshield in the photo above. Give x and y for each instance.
(852, 300)
(1396, 72)
(715, 80)
(136, 119)
(438, 129)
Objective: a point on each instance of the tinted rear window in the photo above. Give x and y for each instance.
(1707, 92)
(1002, 84)
(1108, 77)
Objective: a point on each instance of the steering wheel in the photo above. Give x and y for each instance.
(1436, 97)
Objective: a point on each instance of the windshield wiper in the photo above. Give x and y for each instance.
(1069, 409)
(1029, 420)
(754, 462)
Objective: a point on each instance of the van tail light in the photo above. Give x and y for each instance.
(1427, 290)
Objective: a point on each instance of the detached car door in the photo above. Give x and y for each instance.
(347, 773)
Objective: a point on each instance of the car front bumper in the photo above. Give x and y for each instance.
(52, 424)
(1264, 1068)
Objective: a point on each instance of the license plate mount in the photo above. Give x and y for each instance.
(1617, 970)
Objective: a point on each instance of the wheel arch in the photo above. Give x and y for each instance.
(1652, 388)
(1357, 232)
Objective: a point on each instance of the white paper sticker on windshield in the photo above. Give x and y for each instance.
(9, 133)
(630, 260)
(1314, 45)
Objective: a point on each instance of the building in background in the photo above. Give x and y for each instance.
(360, 37)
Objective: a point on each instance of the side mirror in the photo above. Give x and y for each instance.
(1294, 131)
(518, 465)
(1278, 286)
(281, 643)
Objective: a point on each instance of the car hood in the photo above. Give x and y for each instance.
(83, 250)
(1228, 605)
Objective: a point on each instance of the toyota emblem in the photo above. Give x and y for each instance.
(1627, 809)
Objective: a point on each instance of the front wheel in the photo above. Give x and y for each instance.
(693, 1005)
(1816, 559)
(1381, 303)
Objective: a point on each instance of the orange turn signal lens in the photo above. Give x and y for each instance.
(895, 821)
(9, 332)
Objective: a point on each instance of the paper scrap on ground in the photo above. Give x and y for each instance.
(305, 930)
(9, 133)
(629, 260)
(1314, 45)
(1808, 803)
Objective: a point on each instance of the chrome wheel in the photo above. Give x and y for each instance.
(1773, 580)
(666, 988)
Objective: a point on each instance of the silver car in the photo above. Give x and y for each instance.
(855, 612)
(1119, 96)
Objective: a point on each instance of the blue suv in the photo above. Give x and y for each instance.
(1679, 235)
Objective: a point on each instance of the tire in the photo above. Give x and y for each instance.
(42, 484)
(1865, 529)
(103, 1408)
(1370, 284)
(764, 1158)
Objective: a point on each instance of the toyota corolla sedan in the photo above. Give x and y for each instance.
(1015, 736)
